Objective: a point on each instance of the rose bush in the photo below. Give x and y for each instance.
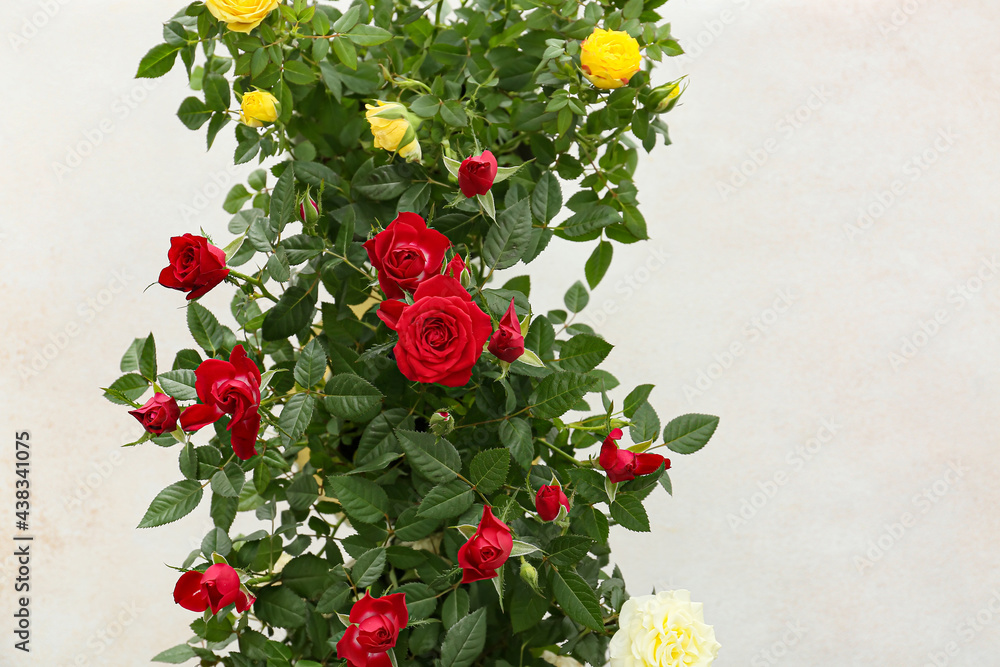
(427, 463)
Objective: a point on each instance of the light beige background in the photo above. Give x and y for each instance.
(774, 304)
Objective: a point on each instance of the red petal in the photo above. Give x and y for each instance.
(188, 593)
(197, 416)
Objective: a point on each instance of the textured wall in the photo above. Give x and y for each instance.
(829, 203)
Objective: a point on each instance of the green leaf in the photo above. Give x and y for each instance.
(368, 35)
(141, 356)
(352, 397)
(515, 433)
(295, 417)
(229, 481)
(346, 52)
(689, 433)
(283, 200)
(368, 567)
(307, 575)
(598, 263)
(157, 62)
(447, 500)
(246, 150)
(361, 498)
(206, 330)
(590, 219)
(237, 196)
(577, 599)
(385, 182)
(568, 550)
(302, 492)
(128, 387)
(583, 352)
(508, 239)
(280, 607)
(546, 199)
(576, 298)
(298, 73)
(301, 248)
(527, 609)
(453, 113)
(216, 541)
(464, 641)
(176, 655)
(645, 424)
(433, 457)
(177, 500)
(291, 314)
(193, 113)
(629, 513)
(216, 89)
(311, 365)
(489, 469)
(559, 392)
(635, 398)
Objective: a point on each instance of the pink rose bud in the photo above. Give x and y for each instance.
(442, 423)
(308, 211)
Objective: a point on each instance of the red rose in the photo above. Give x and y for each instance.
(487, 550)
(441, 335)
(455, 267)
(196, 266)
(406, 253)
(228, 388)
(623, 465)
(375, 625)
(476, 174)
(507, 342)
(548, 500)
(158, 415)
(217, 587)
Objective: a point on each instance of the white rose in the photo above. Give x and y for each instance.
(663, 630)
(560, 660)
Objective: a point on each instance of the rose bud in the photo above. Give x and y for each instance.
(441, 334)
(548, 500)
(308, 211)
(442, 423)
(623, 465)
(476, 174)
(394, 129)
(663, 98)
(609, 58)
(374, 628)
(228, 387)
(487, 550)
(457, 269)
(159, 414)
(196, 266)
(507, 343)
(529, 574)
(406, 253)
(217, 587)
(258, 107)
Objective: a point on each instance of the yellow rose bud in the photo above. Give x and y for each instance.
(391, 127)
(609, 58)
(259, 107)
(241, 15)
(663, 98)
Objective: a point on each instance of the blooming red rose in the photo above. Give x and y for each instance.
(487, 550)
(228, 387)
(441, 335)
(158, 415)
(406, 253)
(375, 625)
(623, 465)
(548, 500)
(507, 342)
(217, 587)
(476, 174)
(196, 266)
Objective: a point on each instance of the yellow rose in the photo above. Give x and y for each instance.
(609, 58)
(241, 15)
(259, 107)
(391, 127)
(663, 630)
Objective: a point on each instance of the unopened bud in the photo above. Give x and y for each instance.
(308, 211)
(529, 574)
(442, 423)
(663, 98)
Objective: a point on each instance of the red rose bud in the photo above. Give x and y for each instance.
(217, 587)
(442, 423)
(228, 387)
(406, 253)
(507, 342)
(487, 550)
(308, 211)
(548, 500)
(374, 628)
(159, 414)
(196, 266)
(623, 465)
(441, 334)
(476, 174)
(456, 269)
